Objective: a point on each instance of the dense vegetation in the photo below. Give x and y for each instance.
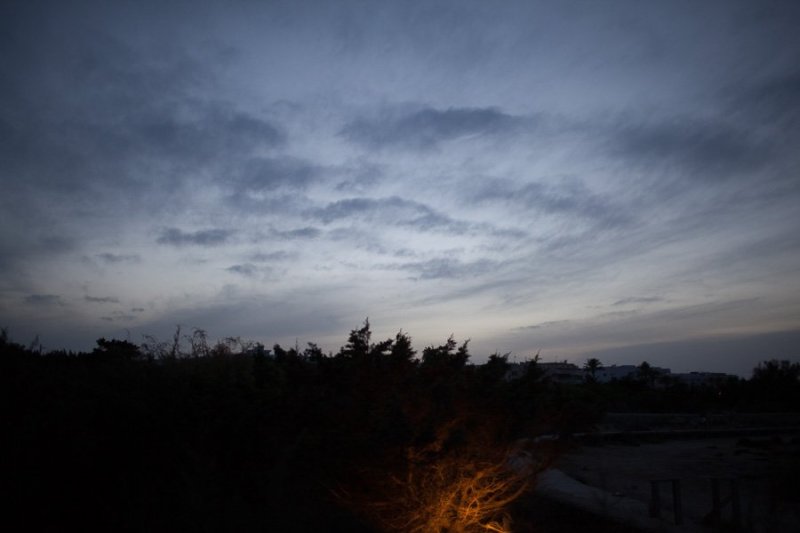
(234, 437)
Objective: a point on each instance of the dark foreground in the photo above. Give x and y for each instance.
(234, 437)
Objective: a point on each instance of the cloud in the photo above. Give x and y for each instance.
(102, 299)
(359, 178)
(443, 127)
(711, 149)
(354, 207)
(57, 243)
(542, 325)
(25, 240)
(247, 270)
(112, 259)
(267, 174)
(209, 237)
(569, 198)
(266, 257)
(446, 268)
(638, 300)
(273, 203)
(128, 119)
(392, 210)
(118, 316)
(43, 299)
(771, 110)
(426, 128)
(306, 232)
(214, 131)
(776, 99)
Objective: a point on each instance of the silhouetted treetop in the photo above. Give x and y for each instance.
(777, 372)
(446, 355)
(116, 349)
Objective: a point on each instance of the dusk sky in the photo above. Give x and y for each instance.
(617, 179)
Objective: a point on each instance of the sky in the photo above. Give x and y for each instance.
(571, 178)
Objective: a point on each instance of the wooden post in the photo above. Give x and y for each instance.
(735, 508)
(717, 502)
(655, 500)
(716, 506)
(677, 506)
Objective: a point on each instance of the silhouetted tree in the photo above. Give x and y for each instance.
(116, 349)
(646, 374)
(402, 353)
(198, 342)
(357, 346)
(446, 355)
(494, 370)
(592, 366)
(774, 372)
(776, 385)
(313, 353)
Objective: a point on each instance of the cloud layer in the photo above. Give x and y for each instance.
(532, 175)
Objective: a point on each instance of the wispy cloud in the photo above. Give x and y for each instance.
(307, 232)
(392, 210)
(457, 164)
(102, 299)
(248, 270)
(569, 198)
(775, 100)
(543, 325)
(43, 299)
(267, 257)
(118, 316)
(426, 128)
(445, 268)
(709, 148)
(208, 237)
(638, 300)
(111, 259)
(268, 174)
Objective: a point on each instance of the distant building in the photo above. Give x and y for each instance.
(565, 372)
(562, 372)
(516, 371)
(610, 373)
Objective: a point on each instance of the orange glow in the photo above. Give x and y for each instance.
(462, 492)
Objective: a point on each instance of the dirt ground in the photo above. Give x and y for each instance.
(615, 479)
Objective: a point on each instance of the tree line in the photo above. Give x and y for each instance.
(231, 436)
